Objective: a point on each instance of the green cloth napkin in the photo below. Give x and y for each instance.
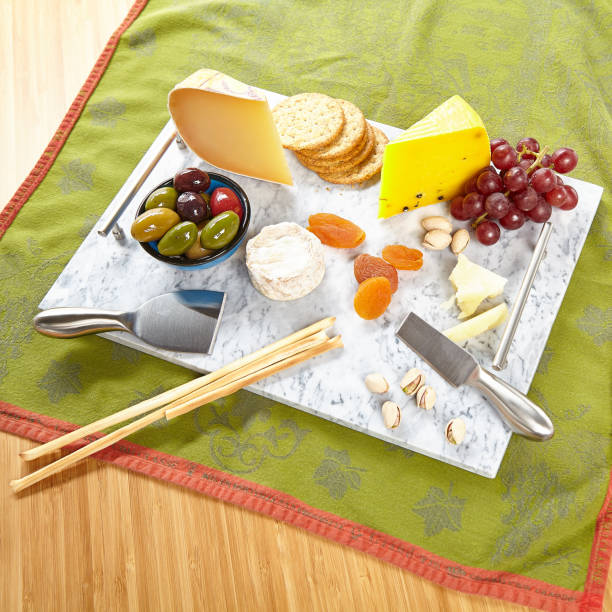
(530, 69)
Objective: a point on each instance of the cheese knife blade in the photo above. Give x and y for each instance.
(458, 367)
(185, 321)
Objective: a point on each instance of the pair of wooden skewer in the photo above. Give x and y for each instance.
(284, 353)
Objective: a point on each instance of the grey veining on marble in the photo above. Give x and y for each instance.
(104, 273)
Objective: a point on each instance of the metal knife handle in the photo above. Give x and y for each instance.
(71, 322)
(521, 414)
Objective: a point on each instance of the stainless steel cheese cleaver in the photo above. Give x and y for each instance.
(458, 367)
(184, 321)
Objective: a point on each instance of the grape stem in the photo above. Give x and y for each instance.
(537, 160)
(479, 220)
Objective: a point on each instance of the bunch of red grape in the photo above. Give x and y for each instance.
(527, 186)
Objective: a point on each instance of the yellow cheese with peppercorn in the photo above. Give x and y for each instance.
(431, 161)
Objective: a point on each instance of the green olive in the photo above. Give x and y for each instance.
(178, 238)
(196, 250)
(153, 224)
(220, 230)
(164, 197)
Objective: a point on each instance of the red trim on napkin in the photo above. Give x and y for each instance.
(502, 585)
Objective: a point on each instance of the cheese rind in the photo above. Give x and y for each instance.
(285, 261)
(431, 160)
(477, 325)
(473, 284)
(229, 124)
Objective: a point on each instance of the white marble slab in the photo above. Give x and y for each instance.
(105, 273)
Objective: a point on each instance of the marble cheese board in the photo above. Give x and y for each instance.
(104, 273)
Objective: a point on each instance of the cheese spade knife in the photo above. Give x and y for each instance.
(458, 367)
(184, 321)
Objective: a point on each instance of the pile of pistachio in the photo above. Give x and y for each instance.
(413, 385)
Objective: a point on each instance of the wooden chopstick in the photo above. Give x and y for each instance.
(233, 382)
(172, 394)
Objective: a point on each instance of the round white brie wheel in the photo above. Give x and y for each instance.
(285, 261)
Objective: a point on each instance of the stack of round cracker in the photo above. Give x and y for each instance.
(331, 137)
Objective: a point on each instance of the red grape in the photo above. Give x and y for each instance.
(541, 212)
(470, 184)
(473, 204)
(546, 161)
(516, 179)
(504, 157)
(571, 198)
(456, 209)
(488, 233)
(489, 182)
(564, 160)
(497, 205)
(543, 180)
(525, 200)
(558, 179)
(556, 196)
(513, 219)
(525, 163)
(496, 142)
(528, 144)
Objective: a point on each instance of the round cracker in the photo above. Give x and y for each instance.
(366, 169)
(343, 165)
(322, 164)
(351, 135)
(308, 120)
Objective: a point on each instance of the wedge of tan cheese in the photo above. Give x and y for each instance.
(477, 325)
(473, 284)
(229, 125)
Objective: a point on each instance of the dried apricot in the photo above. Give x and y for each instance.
(366, 266)
(335, 231)
(402, 257)
(372, 297)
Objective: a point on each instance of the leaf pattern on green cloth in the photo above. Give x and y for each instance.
(107, 112)
(62, 378)
(547, 355)
(440, 510)
(336, 473)
(243, 433)
(539, 497)
(119, 352)
(561, 556)
(563, 412)
(395, 448)
(597, 323)
(143, 42)
(89, 221)
(24, 276)
(77, 176)
(601, 234)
